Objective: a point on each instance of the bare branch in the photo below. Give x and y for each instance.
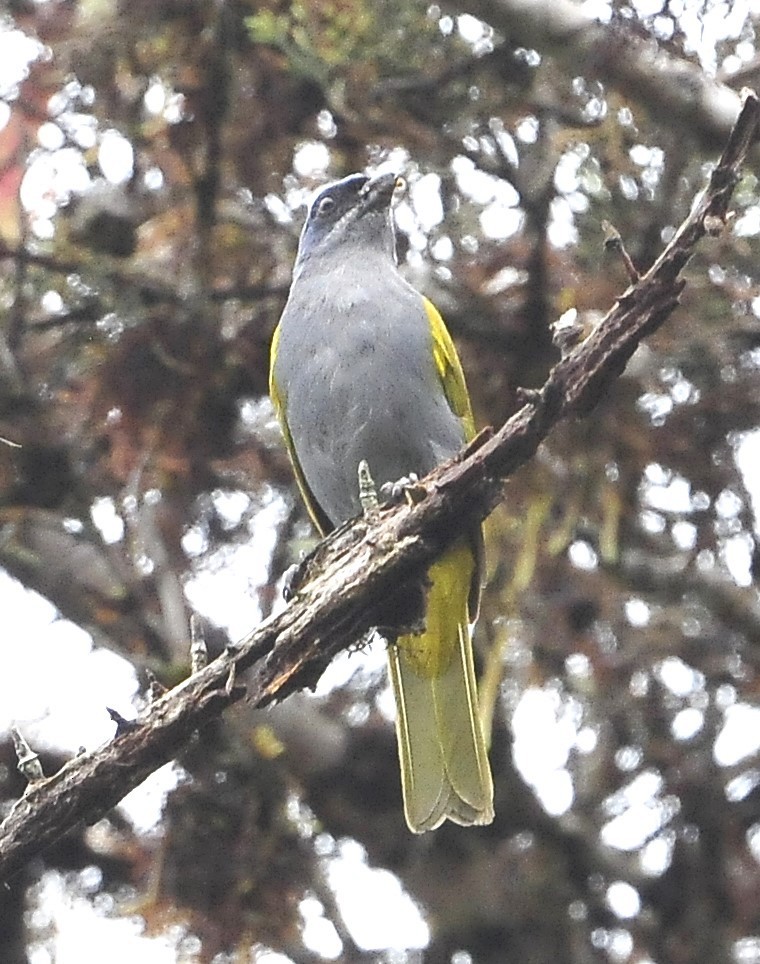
(359, 566)
(151, 288)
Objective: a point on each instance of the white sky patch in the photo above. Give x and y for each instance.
(664, 492)
(107, 520)
(154, 98)
(224, 588)
(82, 129)
(600, 10)
(739, 736)
(628, 758)
(504, 279)
(652, 522)
(73, 920)
(52, 302)
(472, 30)
(160, 100)
(545, 730)
(587, 740)
(753, 841)
(407, 222)
(740, 787)
(50, 136)
(687, 723)
(578, 665)
(736, 553)
(54, 685)
(684, 534)
(746, 950)
(637, 612)
(319, 934)
(311, 159)
(638, 814)
(267, 956)
(153, 178)
(631, 829)
(115, 157)
(706, 25)
(726, 695)
(561, 230)
(49, 182)
(442, 249)
(623, 900)
(657, 854)
(728, 504)
(647, 8)
(425, 196)
(371, 659)
(500, 221)
(17, 52)
(506, 142)
(747, 226)
(373, 903)
(680, 678)
(642, 789)
(280, 211)
(527, 129)
(475, 184)
(582, 555)
(566, 173)
(144, 806)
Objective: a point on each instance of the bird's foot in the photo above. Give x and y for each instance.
(293, 577)
(407, 487)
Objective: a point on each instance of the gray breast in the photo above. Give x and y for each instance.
(356, 371)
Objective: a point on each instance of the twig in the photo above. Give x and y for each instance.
(152, 289)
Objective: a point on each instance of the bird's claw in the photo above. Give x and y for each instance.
(396, 491)
(293, 578)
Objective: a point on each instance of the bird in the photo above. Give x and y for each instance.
(363, 368)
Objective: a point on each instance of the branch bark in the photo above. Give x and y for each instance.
(359, 566)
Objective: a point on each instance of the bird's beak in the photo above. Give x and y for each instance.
(379, 192)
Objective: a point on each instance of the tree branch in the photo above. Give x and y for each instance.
(151, 288)
(354, 572)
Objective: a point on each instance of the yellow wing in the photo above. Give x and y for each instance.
(318, 517)
(455, 388)
(450, 369)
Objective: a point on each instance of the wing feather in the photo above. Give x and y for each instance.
(318, 517)
(450, 370)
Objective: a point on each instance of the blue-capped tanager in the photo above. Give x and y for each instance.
(363, 368)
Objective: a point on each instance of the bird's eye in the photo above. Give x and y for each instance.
(326, 205)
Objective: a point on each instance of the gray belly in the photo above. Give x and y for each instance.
(367, 402)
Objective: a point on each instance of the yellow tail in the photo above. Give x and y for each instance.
(444, 763)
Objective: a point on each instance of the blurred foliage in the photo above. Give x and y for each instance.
(155, 157)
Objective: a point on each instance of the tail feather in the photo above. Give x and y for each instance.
(444, 764)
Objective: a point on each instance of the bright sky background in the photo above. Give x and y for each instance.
(55, 685)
